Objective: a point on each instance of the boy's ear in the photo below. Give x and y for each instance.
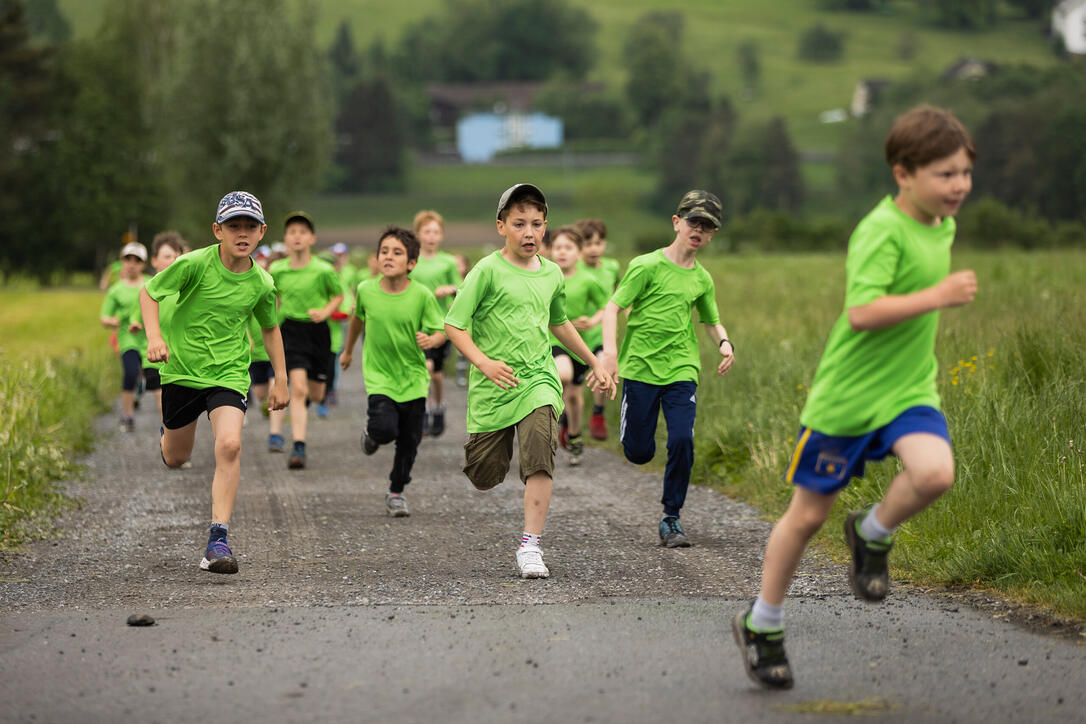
(411, 264)
(501, 227)
(901, 174)
(216, 229)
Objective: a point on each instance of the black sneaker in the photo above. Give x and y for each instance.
(671, 533)
(868, 575)
(297, 456)
(763, 654)
(369, 447)
(437, 424)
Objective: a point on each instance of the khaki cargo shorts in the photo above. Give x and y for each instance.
(487, 454)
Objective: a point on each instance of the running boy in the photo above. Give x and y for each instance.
(606, 271)
(508, 302)
(585, 299)
(874, 391)
(119, 307)
(309, 291)
(206, 358)
(402, 319)
(165, 248)
(437, 270)
(659, 360)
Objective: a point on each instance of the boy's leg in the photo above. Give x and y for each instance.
(487, 456)
(437, 390)
(177, 444)
(298, 379)
(382, 419)
(181, 408)
(679, 402)
(130, 366)
(226, 422)
(928, 474)
(537, 501)
(537, 435)
(637, 429)
(408, 436)
(597, 424)
(805, 516)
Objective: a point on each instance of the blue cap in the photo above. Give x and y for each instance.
(239, 203)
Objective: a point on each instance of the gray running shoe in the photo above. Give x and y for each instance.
(396, 505)
(671, 533)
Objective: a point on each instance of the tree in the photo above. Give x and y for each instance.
(749, 66)
(654, 60)
(691, 150)
(1034, 8)
(45, 20)
(371, 148)
(961, 14)
(344, 62)
(762, 170)
(820, 44)
(592, 114)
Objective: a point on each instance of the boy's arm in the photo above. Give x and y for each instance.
(724, 345)
(279, 396)
(609, 355)
(955, 290)
(599, 379)
(323, 313)
(430, 341)
(354, 331)
(496, 371)
(156, 346)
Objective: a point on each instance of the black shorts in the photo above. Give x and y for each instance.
(260, 372)
(308, 346)
(182, 405)
(580, 369)
(151, 379)
(438, 355)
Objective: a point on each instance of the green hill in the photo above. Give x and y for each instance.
(795, 89)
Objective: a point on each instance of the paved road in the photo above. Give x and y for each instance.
(342, 614)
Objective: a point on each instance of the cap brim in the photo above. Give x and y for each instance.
(703, 215)
(519, 190)
(257, 219)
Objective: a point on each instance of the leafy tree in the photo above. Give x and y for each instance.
(762, 170)
(961, 14)
(819, 44)
(593, 114)
(371, 147)
(1034, 8)
(657, 71)
(344, 62)
(45, 19)
(691, 150)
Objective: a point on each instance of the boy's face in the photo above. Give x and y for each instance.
(165, 256)
(593, 249)
(934, 191)
(523, 230)
(564, 252)
(430, 236)
(694, 233)
(131, 267)
(298, 236)
(239, 235)
(392, 258)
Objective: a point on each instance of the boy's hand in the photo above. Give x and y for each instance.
(600, 380)
(279, 397)
(581, 323)
(609, 363)
(345, 358)
(157, 350)
(317, 315)
(426, 341)
(499, 373)
(134, 327)
(958, 289)
(727, 352)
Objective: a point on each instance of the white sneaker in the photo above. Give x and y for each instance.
(530, 562)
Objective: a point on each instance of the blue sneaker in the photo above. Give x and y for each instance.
(671, 533)
(297, 456)
(322, 411)
(218, 558)
(276, 443)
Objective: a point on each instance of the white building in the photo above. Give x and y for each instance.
(1069, 24)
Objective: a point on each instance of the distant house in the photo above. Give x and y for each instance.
(1069, 25)
(969, 69)
(866, 95)
(450, 101)
(481, 135)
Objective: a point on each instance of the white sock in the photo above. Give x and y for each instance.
(766, 617)
(872, 529)
(530, 539)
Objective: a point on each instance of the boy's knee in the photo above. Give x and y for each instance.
(804, 521)
(638, 455)
(382, 434)
(931, 482)
(228, 448)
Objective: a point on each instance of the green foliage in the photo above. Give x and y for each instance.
(658, 73)
(45, 20)
(483, 40)
(371, 147)
(819, 44)
(584, 114)
(962, 14)
(763, 230)
(762, 171)
(692, 149)
(343, 61)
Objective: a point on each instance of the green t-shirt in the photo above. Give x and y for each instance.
(509, 310)
(437, 271)
(257, 353)
(123, 302)
(393, 364)
(659, 346)
(208, 344)
(584, 297)
(165, 316)
(866, 379)
(300, 290)
(607, 273)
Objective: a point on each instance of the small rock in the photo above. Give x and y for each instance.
(1023, 662)
(140, 619)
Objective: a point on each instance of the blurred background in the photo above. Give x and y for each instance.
(137, 115)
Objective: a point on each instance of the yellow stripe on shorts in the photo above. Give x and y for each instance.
(796, 455)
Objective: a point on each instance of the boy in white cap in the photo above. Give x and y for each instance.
(206, 363)
(120, 305)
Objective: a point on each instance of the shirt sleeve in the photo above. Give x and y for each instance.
(558, 304)
(873, 255)
(265, 312)
(467, 298)
(632, 285)
(172, 279)
(109, 304)
(332, 286)
(359, 307)
(706, 303)
(431, 314)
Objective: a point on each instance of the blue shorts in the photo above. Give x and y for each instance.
(825, 463)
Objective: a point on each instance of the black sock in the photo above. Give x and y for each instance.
(597, 409)
(218, 532)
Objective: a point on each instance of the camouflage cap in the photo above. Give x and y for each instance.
(699, 204)
(520, 191)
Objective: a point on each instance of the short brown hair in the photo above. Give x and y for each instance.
(593, 227)
(404, 236)
(572, 232)
(425, 217)
(524, 197)
(925, 134)
(172, 239)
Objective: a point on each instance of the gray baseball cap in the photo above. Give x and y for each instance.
(520, 191)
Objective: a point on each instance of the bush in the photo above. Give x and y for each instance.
(987, 223)
(765, 230)
(821, 45)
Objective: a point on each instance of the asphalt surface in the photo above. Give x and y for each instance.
(340, 613)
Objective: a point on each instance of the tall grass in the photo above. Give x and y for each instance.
(1013, 391)
(56, 375)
